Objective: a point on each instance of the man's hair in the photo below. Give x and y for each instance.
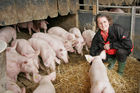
(109, 18)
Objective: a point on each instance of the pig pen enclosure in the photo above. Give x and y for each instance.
(73, 76)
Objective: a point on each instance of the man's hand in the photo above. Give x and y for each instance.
(107, 46)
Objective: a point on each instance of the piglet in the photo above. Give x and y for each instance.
(42, 24)
(24, 47)
(17, 63)
(67, 44)
(13, 63)
(7, 34)
(47, 54)
(117, 10)
(13, 87)
(79, 39)
(26, 25)
(88, 36)
(98, 74)
(56, 45)
(45, 84)
(63, 33)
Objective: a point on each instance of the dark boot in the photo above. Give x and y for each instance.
(121, 66)
(111, 62)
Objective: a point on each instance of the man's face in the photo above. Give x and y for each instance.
(103, 23)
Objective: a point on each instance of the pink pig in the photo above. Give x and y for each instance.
(63, 33)
(7, 34)
(67, 44)
(88, 36)
(47, 54)
(42, 24)
(12, 86)
(79, 39)
(57, 45)
(17, 63)
(24, 47)
(14, 61)
(118, 10)
(45, 84)
(98, 75)
(27, 25)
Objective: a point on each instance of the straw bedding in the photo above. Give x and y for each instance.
(73, 77)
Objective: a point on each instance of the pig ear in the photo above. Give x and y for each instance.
(61, 50)
(57, 61)
(37, 52)
(52, 76)
(25, 62)
(89, 58)
(83, 43)
(46, 22)
(103, 55)
(36, 77)
(76, 36)
(69, 37)
(65, 41)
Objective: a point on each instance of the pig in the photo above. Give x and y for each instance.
(88, 35)
(7, 34)
(98, 74)
(79, 39)
(24, 48)
(56, 44)
(26, 25)
(47, 54)
(67, 44)
(63, 33)
(42, 24)
(17, 63)
(45, 84)
(117, 10)
(13, 87)
(13, 63)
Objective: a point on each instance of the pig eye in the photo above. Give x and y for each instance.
(25, 62)
(61, 49)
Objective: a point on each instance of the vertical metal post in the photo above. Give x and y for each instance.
(97, 5)
(133, 14)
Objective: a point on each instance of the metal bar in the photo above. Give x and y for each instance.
(85, 5)
(97, 5)
(115, 13)
(133, 23)
(115, 6)
(85, 10)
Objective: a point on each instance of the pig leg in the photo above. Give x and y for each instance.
(14, 36)
(87, 48)
(30, 30)
(108, 89)
(97, 87)
(57, 60)
(18, 29)
(28, 76)
(45, 30)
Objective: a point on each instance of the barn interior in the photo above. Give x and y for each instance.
(73, 76)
